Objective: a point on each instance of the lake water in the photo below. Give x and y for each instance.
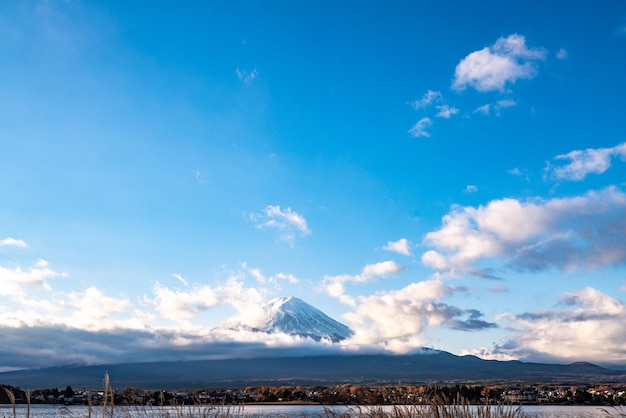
(267, 411)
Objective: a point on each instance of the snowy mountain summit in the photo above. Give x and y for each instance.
(293, 316)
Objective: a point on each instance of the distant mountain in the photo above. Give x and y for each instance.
(293, 316)
(430, 367)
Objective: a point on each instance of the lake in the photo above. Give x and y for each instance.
(266, 411)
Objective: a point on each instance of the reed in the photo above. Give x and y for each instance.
(616, 411)
(439, 408)
(11, 396)
(28, 403)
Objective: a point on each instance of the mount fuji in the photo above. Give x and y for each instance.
(293, 316)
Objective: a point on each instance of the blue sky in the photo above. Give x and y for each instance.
(432, 174)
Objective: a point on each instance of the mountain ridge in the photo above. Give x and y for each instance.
(438, 367)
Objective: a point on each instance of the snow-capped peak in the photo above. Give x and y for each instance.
(293, 316)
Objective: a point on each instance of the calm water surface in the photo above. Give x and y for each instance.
(266, 411)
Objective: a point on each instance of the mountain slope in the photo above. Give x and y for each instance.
(293, 316)
(435, 367)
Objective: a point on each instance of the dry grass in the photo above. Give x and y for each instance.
(439, 408)
(616, 411)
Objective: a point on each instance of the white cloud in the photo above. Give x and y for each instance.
(180, 279)
(12, 242)
(590, 328)
(399, 316)
(380, 269)
(492, 68)
(446, 111)
(561, 54)
(429, 98)
(334, 285)
(12, 281)
(435, 260)
(36, 319)
(397, 320)
(401, 246)
(246, 76)
(496, 107)
(419, 129)
(484, 109)
(181, 305)
(471, 188)
(586, 231)
(248, 301)
(288, 277)
(502, 104)
(95, 311)
(258, 275)
(518, 172)
(489, 354)
(583, 162)
(288, 223)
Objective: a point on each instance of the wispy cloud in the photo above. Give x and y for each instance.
(495, 67)
(583, 162)
(246, 76)
(12, 242)
(419, 129)
(14, 280)
(429, 98)
(401, 246)
(180, 278)
(470, 188)
(495, 108)
(258, 275)
(561, 54)
(199, 177)
(585, 231)
(287, 222)
(446, 111)
(334, 285)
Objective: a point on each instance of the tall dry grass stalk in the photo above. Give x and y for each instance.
(11, 396)
(28, 403)
(89, 404)
(618, 411)
(108, 405)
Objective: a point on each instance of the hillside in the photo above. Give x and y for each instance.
(432, 367)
